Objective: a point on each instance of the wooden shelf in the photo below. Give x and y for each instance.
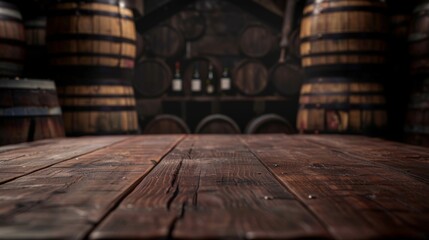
(223, 98)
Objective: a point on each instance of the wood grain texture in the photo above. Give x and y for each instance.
(355, 199)
(209, 187)
(68, 199)
(23, 161)
(407, 160)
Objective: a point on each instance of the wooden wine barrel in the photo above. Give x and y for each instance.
(164, 41)
(12, 40)
(419, 40)
(91, 39)
(340, 36)
(103, 109)
(167, 124)
(417, 122)
(152, 77)
(257, 41)
(286, 78)
(190, 23)
(399, 25)
(36, 64)
(29, 110)
(269, 123)
(250, 77)
(342, 105)
(217, 124)
(203, 66)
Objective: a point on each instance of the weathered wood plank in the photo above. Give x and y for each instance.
(22, 161)
(355, 199)
(410, 160)
(66, 200)
(210, 187)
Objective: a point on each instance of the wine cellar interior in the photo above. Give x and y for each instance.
(172, 66)
(214, 119)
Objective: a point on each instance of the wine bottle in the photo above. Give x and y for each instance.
(196, 83)
(225, 83)
(177, 83)
(210, 82)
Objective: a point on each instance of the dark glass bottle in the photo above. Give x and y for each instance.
(196, 82)
(210, 82)
(177, 83)
(225, 85)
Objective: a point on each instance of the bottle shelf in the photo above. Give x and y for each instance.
(223, 98)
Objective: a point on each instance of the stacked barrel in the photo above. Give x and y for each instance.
(92, 49)
(417, 121)
(29, 109)
(343, 47)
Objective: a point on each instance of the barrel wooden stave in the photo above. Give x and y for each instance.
(350, 34)
(36, 64)
(166, 124)
(341, 105)
(152, 77)
(286, 78)
(217, 124)
(12, 40)
(164, 41)
(269, 123)
(29, 110)
(250, 77)
(257, 41)
(91, 35)
(98, 109)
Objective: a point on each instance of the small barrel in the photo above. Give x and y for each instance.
(103, 109)
(164, 41)
(250, 77)
(286, 78)
(257, 41)
(417, 121)
(190, 23)
(29, 110)
(269, 123)
(419, 40)
(167, 124)
(341, 36)
(36, 64)
(217, 124)
(91, 39)
(203, 67)
(152, 77)
(12, 40)
(342, 105)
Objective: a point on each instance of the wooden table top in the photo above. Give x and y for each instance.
(211, 187)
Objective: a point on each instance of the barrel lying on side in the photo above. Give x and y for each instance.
(217, 124)
(98, 109)
(257, 41)
(29, 110)
(342, 105)
(12, 40)
(167, 124)
(286, 78)
(417, 122)
(250, 77)
(343, 35)
(152, 77)
(269, 123)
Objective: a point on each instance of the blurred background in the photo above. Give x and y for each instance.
(103, 67)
